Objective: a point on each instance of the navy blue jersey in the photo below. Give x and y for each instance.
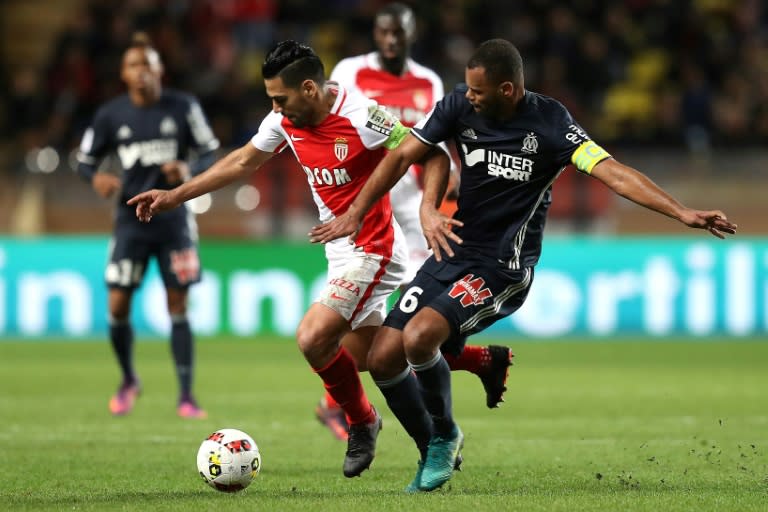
(143, 139)
(507, 170)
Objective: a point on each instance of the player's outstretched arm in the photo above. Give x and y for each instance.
(237, 164)
(387, 173)
(639, 188)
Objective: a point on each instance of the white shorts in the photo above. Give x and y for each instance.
(359, 283)
(405, 197)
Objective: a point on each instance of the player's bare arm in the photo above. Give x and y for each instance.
(105, 184)
(639, 188)
(237, 164)
(435, 225)
(387, 173)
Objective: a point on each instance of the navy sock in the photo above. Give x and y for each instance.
(121, 336)
(183, 353)
(404, 400)
(435, 382)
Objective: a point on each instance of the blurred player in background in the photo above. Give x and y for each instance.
(514, 144)
(409, 90)
(338, 137)
(152, 132)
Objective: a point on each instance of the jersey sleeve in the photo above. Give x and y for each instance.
(270, 137)
(204, 141)
(94, 146)
(438, 90)
(576, 147)
(202, 134)
(438, 125)
(344, 73)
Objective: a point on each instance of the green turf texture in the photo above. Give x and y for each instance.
(605, 426)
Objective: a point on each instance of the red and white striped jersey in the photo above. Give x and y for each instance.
(409, 96)
(338, 156)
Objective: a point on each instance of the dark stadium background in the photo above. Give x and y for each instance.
(678, 89)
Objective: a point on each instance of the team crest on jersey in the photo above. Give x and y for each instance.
(530, 144)
(381, 121)
(168, 126)
(124, 132)
(341, 148)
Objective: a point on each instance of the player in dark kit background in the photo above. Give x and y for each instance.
(513, 144)
(151, 131)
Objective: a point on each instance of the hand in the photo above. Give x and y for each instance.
(105, 184)
(437, 229)
(713, 221)
(151, 202)
(345, 224)
(176, 172)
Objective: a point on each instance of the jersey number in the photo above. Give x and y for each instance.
(124, 272)
(410, 300)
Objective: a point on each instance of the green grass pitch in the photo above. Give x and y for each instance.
(656, 426)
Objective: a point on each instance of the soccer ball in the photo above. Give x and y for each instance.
(228, 460)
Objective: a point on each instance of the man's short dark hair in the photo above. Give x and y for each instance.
(501, 60)
(293, 62)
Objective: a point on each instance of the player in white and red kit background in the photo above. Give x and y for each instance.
(408, 90)
(338, 137)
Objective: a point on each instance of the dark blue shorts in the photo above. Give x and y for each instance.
(471, 294)
(132, 247)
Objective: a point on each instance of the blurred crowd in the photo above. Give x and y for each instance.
(690, 73)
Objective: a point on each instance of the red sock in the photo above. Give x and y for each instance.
(330, 402)
(342, 382)
(473, 359)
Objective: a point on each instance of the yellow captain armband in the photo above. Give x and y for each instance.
(396, 136)
(588, 155)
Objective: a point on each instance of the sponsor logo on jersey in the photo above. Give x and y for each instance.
(380, 120)
(124, 132)
(510, 167)
(530, 144)
(148, 152)
(576, 135)
(470, 290)
(323, 176)
(469, 133)
(350, 286)
(168, 126)
(341, 148)
(294, 138)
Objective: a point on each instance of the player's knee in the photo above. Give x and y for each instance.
(314, 340)
(385, 355)
(176, 302)
(119, 310)
(420, 337)
(377, 363)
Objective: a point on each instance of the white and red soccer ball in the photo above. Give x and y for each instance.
(228, 460)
